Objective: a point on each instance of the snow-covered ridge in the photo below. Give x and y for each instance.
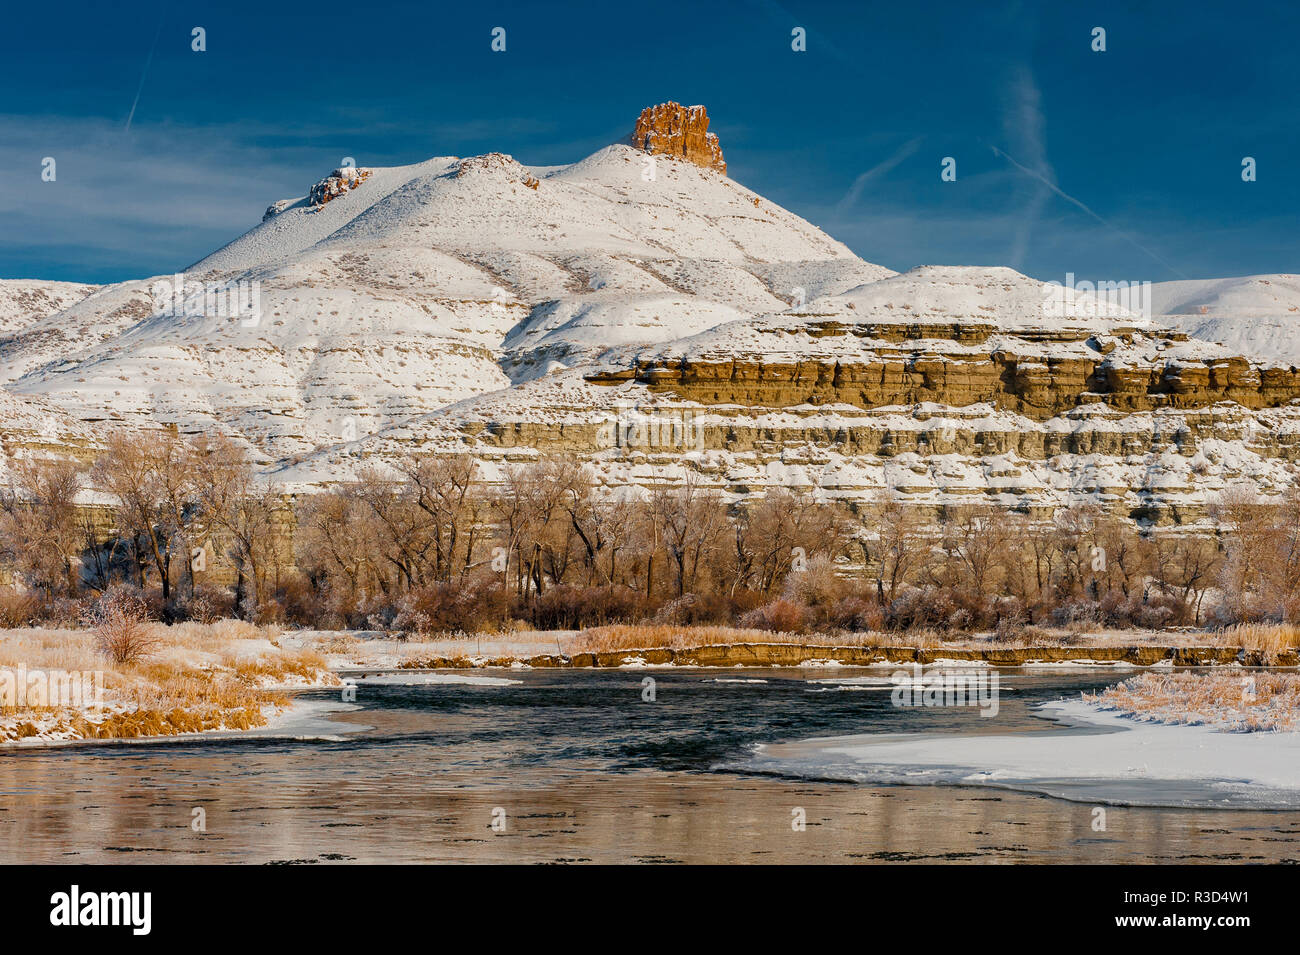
(24, 302)
(426, 284)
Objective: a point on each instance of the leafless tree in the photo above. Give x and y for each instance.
(40, 533)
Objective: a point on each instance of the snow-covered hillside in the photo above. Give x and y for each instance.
(424, 285)
(26, 301)
(1257, 315)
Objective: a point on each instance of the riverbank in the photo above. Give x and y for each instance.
(661, 646)
(231, 676)
(57, 686)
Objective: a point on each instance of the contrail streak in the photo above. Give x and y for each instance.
(879, 169)
(147, 63)
(1073, 201)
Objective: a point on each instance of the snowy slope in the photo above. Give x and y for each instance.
(1257, 315)
(944, 293)
(26, 301)
(425, 285)
(61, 336)
(842, 326)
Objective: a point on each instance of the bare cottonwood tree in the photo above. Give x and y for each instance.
(242, 511)
(40, 534)
(692, 520)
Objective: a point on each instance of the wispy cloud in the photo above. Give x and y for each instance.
(128, 204)
(144, 74)
(1025, 125)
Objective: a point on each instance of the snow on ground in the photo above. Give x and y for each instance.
(299, 719)
(26, 301)
(1096, 755)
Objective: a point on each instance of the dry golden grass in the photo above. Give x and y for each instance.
(378, 651)
(1270, 639)
(301, 666)
(340, 642)
(199, 677)
(1243, 702)
(654, 636)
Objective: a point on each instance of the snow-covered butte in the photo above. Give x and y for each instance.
(483, 305)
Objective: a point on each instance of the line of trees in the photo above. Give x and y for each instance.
(161, 509)
(430, 547)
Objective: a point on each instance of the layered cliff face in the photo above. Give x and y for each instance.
(940, 386)
(957, 336)
(31, 427)
(682, 132)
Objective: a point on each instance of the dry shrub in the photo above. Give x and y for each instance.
(207, 604)
(856, 614)
(19, 608)
(691, 610)
(119, 620)
(779, 616)
(453, 608)
(565, 607)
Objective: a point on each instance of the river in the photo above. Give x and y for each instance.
(577, 766)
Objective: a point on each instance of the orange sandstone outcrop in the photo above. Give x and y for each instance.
(671, 129)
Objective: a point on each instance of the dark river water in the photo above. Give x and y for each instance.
(575, 766)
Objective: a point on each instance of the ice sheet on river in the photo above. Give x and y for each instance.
(1091, 756)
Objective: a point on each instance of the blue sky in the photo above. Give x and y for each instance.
(1122, 165)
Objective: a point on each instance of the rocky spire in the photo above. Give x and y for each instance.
(671, 129)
